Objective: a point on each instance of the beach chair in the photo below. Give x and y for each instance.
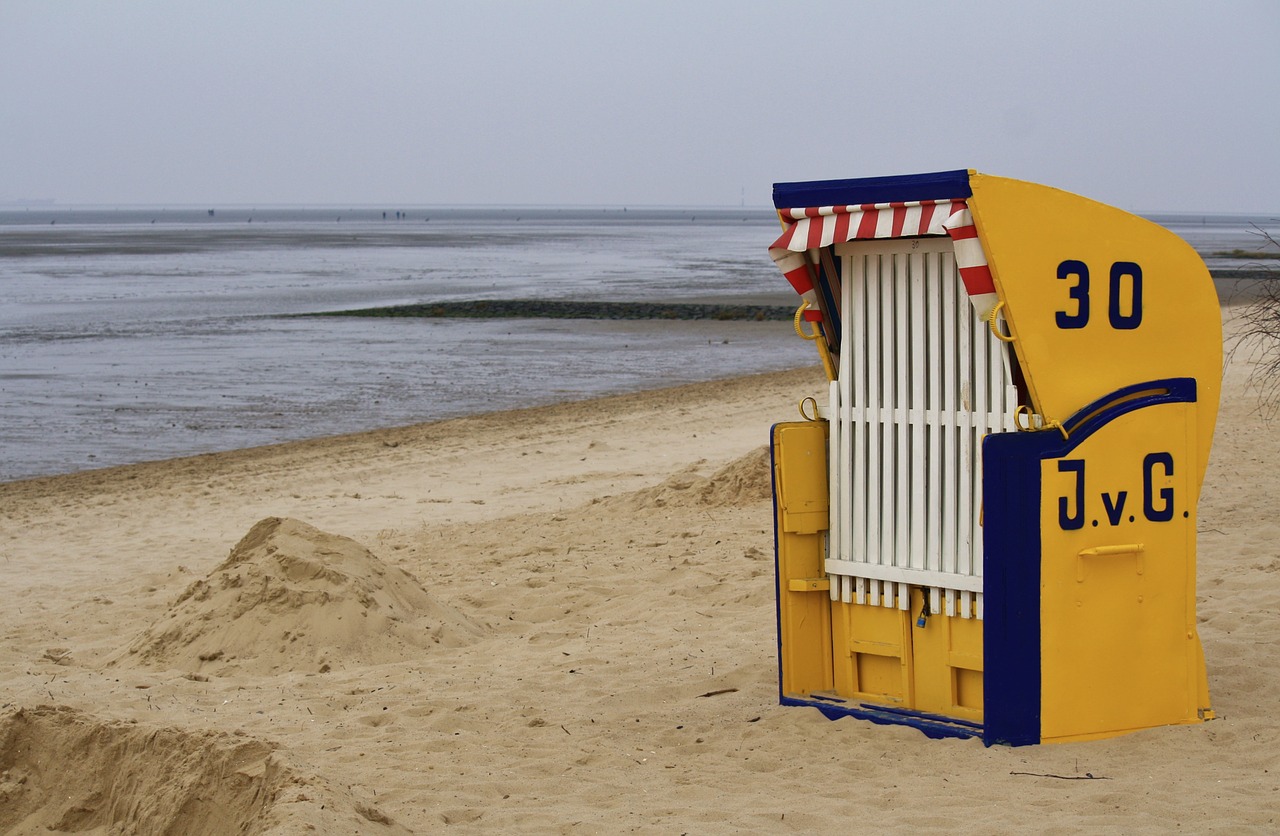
(987, 528)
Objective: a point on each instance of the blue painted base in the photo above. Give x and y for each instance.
(935, 726)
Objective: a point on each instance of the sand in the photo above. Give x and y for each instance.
(557, 620)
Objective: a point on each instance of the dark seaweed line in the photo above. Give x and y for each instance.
(1245, 273)
(568, 309)
(555, 309)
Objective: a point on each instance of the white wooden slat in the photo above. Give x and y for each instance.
(936, 372)
(836, 481)
(919, 496)
(888, 460)
(855, 540)
(964, 411)
(903, 324)
(852, 350)
(875, 364)
(889, 417)
(906, 576)
(889, 429)
(950, 407)
(983, 399)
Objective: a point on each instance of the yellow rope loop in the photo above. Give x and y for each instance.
(805, 415)
(823, 351)
(1046, 423)
(799, 314)
(995, 329)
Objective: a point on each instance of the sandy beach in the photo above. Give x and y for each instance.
(556, 620)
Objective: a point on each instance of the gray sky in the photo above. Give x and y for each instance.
(1149, 105)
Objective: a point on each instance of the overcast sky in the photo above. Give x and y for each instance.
(1155, 105)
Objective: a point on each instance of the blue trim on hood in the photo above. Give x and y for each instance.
(938, 185)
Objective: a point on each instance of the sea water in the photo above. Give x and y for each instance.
(137, 334)
(132, 334)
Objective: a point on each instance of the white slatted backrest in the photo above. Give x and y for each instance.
(921, 381)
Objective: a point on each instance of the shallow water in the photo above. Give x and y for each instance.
(123, 340)
(135, 334)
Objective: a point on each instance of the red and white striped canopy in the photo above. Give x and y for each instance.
(807, 230)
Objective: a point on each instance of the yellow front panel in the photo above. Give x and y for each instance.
(1118, 643)
(872, 647)
(947, 655)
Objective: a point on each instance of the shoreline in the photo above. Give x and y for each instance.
(396, 435)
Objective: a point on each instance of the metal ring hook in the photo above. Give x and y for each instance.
(995, 329)
(800, 331)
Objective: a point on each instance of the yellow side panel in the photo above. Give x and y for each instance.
(1097, 298)
(804, 604)
(1119, 649)
(948, 664)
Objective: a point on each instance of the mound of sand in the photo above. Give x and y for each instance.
(65, 771)
(741, 482)
(294, 598)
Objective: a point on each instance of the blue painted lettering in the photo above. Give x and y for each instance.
(1066, 520)
(1124, 302)
(1158, 499)
(1115, 509)
(1079, 292)
(1165, 512)
(1131, 320)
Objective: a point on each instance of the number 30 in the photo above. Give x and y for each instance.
(1079, 291)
